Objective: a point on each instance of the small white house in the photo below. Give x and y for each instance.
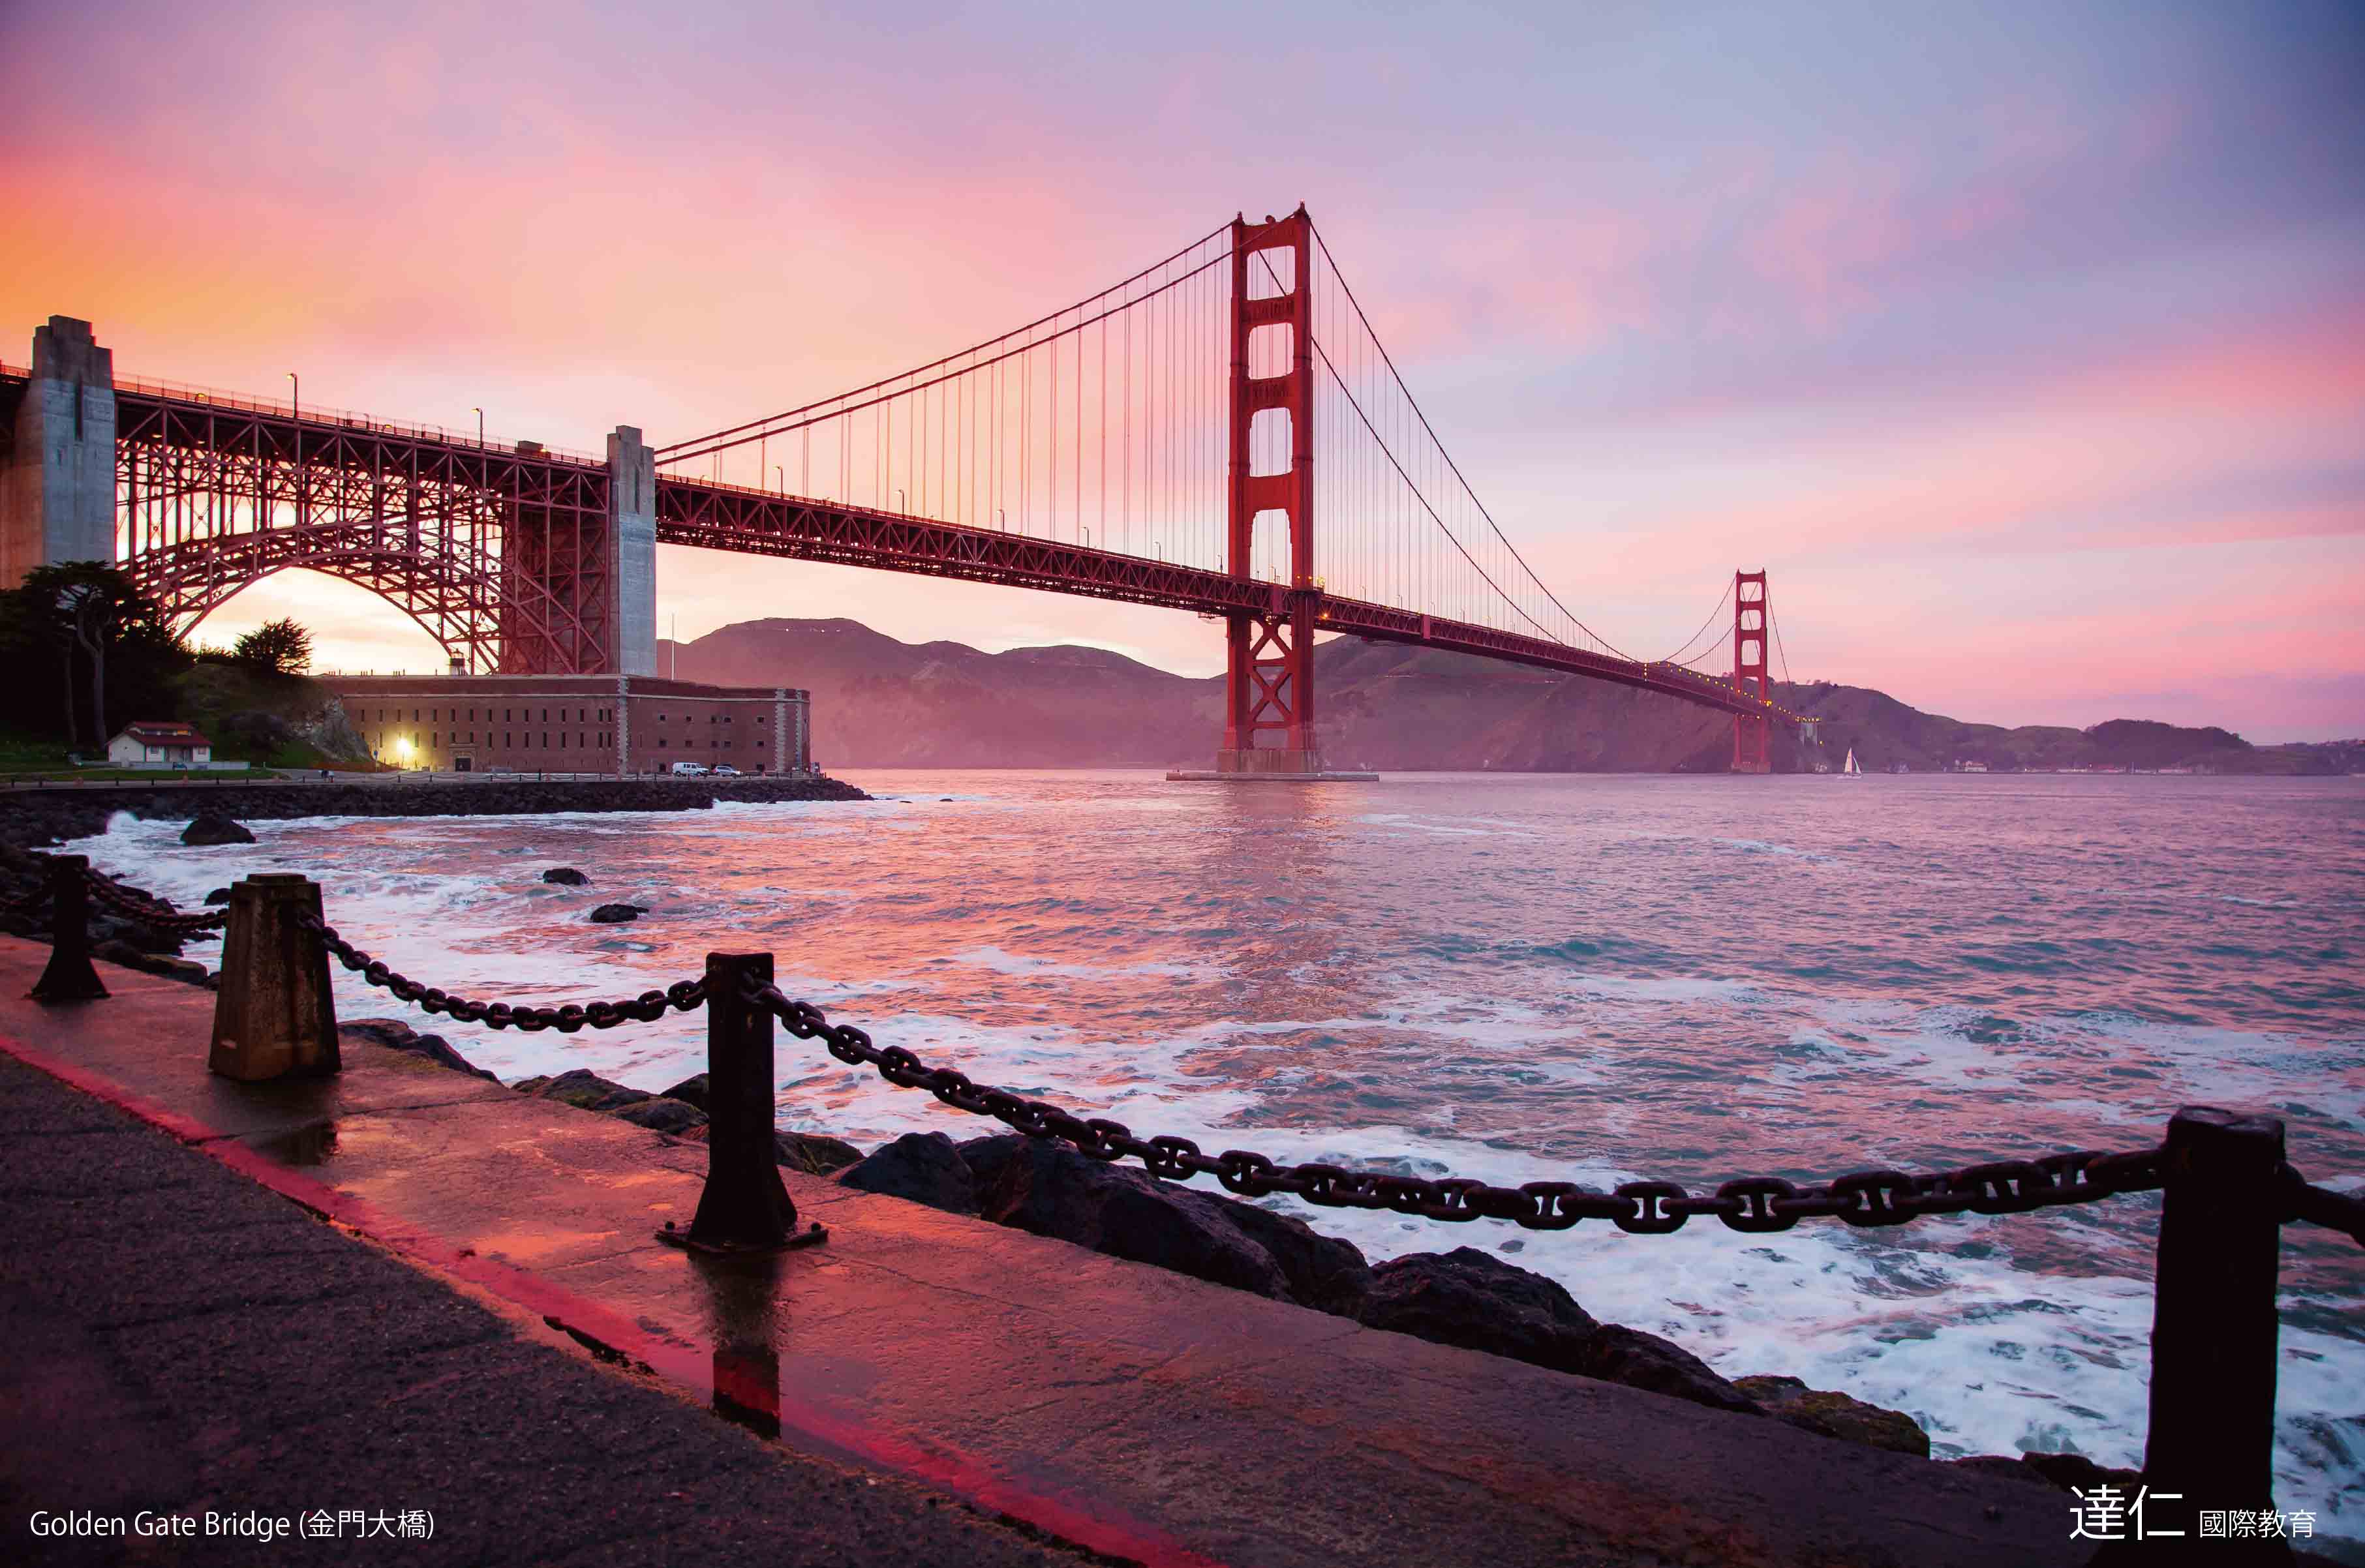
(160, 745)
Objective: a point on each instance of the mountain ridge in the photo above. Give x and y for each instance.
(881, 703)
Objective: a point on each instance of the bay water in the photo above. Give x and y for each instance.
(1519, 977)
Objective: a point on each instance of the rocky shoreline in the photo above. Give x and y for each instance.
(1463, 1298)
(39, 818)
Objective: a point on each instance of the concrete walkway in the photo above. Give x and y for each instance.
(1138, 1412)
(174, 1337)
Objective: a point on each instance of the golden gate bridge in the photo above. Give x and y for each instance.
(1157, 443)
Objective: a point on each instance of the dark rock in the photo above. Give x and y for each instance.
(40, 817)
(616, 913)
(218, 896)
(1836, 1414)
(693, 1090)
(1051, 1191)
(661, 1114)
(212, 827)
(584, 1090)
(1316, 1271)
(987, 1157)
(118, 951)
(815, 1154)
(1324, 1273)
(107, 928)
(922, 1167)
(1620, 1354)
(566, 876)
(1472, 1299)
(2068, 1469)
(396, 1034)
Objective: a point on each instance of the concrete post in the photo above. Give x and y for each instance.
(67, 976)
(275, 1016)
(745, 1207)
(631, 554)
(2214, 1322)
(57, 485)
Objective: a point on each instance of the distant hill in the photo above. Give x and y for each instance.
(882, 703)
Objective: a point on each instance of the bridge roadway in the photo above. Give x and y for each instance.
(725, 517)
(174, 1334)
(338, 474)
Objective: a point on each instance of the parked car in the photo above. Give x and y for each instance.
(687, 769)
(500, 767)
(724, 770)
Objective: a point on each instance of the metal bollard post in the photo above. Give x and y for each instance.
(273, 1017)
(67, 976)
(745, 1207)
(2213, 1324)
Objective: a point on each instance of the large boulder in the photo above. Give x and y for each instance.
(218, 896)
(1836, 1414)
(1050, 1189)
(1476, 1300)
(924, 1168)
(815, 1154)
(1038, 1186)
(1620, 1354)
(118, 951)
(616, 913)
(584, 1090)
(693, 1090)
(811, 1154)
(396, 1034)
(2062, 1472)
(661, 1114)
(566, 876)
(1323, 1271)
(212, 827)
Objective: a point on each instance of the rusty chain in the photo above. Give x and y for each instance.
(2322, 1205)
(1754, 1204)
(150, 910)
(24, 903)
(646, 1008)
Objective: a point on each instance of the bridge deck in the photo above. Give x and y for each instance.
(378, 458)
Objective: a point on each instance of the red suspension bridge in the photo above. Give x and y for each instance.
(1157, 443)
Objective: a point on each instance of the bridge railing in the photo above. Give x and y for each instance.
(2227, 1188)
(342, 418)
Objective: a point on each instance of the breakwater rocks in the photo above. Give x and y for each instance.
(1466, 1297)
(37, 818)
(115, 937)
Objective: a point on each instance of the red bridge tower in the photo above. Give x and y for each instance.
(1269, 666)
(1750, 729)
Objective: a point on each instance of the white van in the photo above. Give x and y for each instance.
(687, 769)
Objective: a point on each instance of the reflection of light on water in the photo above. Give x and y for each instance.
(1589, 978)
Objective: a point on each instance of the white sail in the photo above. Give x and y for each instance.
(1851, 765)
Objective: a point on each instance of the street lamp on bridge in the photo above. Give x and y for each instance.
(480, 425)
(295, 398)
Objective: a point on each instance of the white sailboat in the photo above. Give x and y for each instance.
(1849, 768)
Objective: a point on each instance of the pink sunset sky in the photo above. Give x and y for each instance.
(2025, 346)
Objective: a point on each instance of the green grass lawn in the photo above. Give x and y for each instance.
(33, 758)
